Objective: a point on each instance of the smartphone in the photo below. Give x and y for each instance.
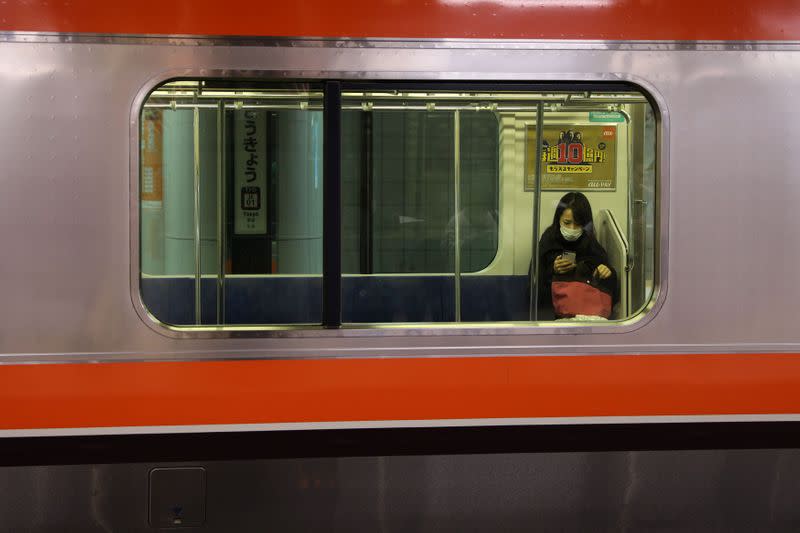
(568, 256)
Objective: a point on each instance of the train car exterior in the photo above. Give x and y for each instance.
(337, 382)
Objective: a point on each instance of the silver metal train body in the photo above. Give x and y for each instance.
(724, 259)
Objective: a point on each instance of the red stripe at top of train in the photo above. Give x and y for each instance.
(484, 19)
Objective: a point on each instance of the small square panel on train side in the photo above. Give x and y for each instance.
(177, 497)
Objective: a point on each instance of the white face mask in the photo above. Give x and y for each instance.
(571, 234)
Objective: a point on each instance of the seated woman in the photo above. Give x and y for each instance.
(569, 252)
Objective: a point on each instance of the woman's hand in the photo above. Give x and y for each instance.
(562, 266)
(602, 272)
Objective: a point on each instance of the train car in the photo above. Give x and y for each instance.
(399, 266)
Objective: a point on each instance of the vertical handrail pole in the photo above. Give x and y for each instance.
(221, 204)
(457, 206)
(537, 205)
(197, 273)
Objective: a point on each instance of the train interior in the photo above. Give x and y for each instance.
(442, 190)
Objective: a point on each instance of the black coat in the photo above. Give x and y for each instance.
(589, 254)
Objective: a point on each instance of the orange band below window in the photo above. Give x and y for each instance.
(238, 392)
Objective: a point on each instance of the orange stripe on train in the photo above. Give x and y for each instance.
(487, 19)
(237, 392)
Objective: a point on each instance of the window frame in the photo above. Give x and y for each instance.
(334, 83)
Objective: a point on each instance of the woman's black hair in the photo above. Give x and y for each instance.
(581, 211)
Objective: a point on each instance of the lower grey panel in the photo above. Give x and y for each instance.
(741, 490)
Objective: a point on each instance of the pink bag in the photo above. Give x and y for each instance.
(572, 298)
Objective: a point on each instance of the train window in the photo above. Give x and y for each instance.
(231, 204)
(443, 192)
(400, 187)
(487, 205)
(596, 184)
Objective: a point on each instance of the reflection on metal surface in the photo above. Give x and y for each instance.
(662, 45)
(533, 3)
(608, 491)
(727, 325)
